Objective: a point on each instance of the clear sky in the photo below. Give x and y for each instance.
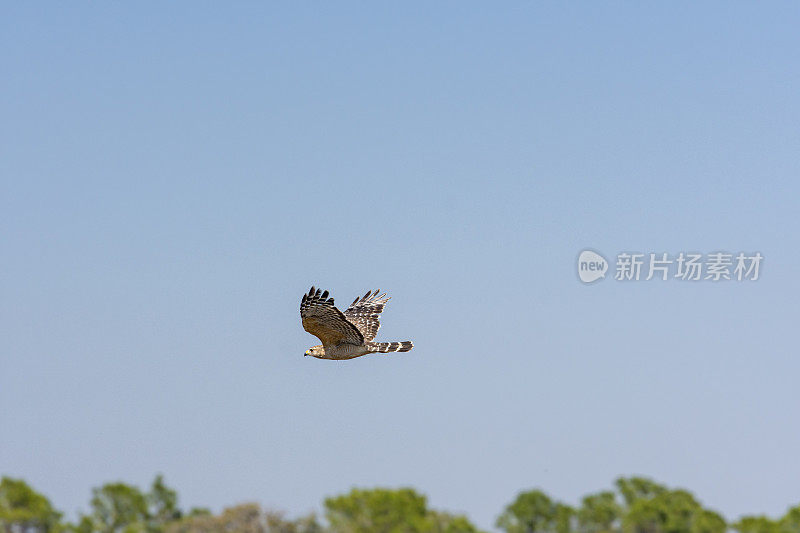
(175, 176)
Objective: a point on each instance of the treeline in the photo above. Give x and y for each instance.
(634, 505)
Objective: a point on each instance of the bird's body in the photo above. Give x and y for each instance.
(338, 352)
(346, 335)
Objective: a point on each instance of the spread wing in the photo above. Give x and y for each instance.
(364, 313)
(322, 319)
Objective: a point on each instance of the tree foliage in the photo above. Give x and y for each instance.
(790, 523)
(634, 489)
(118, 508)
(639, 505)
(23, 509)
(122, 508)
(531, 512)
(599, 513)
(757, 524)
(635, 505)
(672, 511)
(244, 518)
(389, 511)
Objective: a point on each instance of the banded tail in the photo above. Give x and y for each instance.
(387, 347)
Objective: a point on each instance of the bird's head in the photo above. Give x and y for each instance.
(316, 351)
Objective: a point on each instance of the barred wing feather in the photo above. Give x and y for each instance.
(365, 312)
(321, 318)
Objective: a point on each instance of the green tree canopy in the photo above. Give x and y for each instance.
(377, 510)
(534, 512)
(599, 513)
(639, 505)
(671, 511)
(646, 507)
(389, 511)
(565, 516)
(122, 508)
(163, 504)
(756, 524)
(24, 509)
(118, 508)
(244, 518)
(638, 488)
(442, 522)
(790, 523)
(708, 521)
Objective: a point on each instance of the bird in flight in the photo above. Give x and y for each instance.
(349, 334)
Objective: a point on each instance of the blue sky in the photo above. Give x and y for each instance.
(174, 177)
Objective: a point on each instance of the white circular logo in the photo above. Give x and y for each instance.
(591, 266)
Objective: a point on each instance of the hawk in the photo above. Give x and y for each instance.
(349, 334)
